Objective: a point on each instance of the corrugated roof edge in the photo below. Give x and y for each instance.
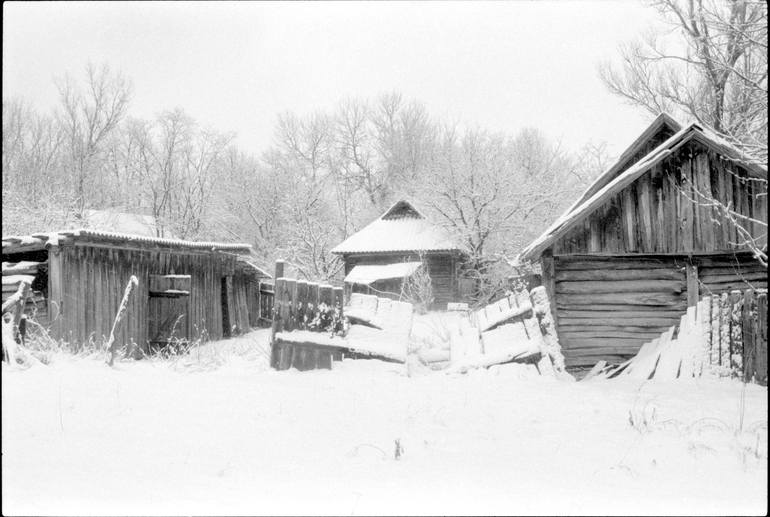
(574, 215)
(140, 239)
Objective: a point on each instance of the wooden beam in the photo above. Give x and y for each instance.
(693, 292)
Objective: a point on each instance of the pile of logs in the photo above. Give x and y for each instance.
(34, 273)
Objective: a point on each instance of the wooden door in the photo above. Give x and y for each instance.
(168, 311)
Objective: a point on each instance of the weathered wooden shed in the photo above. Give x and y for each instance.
(645, 240)
(186, 289)
(390, 248)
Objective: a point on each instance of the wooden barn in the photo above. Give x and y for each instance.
(382, 254)
(186, 290)
(642, 243)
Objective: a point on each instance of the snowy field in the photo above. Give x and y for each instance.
(219, 433)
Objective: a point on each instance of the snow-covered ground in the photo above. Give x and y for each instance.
(218, 432)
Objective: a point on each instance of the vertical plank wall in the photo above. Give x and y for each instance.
(94, 279)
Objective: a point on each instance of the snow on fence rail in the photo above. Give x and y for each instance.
(722, 335)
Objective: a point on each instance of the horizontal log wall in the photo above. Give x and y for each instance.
(657, 213)
(721, 274)
(93, 279)
(608, 307)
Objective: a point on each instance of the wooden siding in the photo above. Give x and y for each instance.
(442, 268)
(726, 273)
(92, 280)
(656, 214)
(608, 307)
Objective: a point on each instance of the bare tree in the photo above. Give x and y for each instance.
(715, 72)
(88, 116)
(495, 194)
(719, 79)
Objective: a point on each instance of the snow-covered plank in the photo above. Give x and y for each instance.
(358, 315)
(497, 314)
(520, 350)
(671, 356)
(646, 365)
(16, 279)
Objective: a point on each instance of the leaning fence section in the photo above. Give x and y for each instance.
(723, 335)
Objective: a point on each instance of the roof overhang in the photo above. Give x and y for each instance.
(368, 274)
(44, 240)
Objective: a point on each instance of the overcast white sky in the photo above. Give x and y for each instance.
(234, 66)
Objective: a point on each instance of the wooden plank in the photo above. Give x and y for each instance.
(693, 292)
(731, 277)
(612, 274)
(736, 332)
(581, 263)
(631, 298)
(621, 286)
(645, 212)
(630, 344)
(572, 327)
(725, 319)
(583, 334)
(629, 212)
(760, 370)
(619, 315)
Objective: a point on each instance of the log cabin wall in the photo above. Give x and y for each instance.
(607, 307)
(92, 280)
(443, 269)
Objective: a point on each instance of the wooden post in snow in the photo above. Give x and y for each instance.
(541, 306)
(111, 348)
(736, 332)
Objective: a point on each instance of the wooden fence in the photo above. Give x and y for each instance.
(754, 330)
(296, 305)
(723, 335)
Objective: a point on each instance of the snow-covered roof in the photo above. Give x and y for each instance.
(401, 228)
(366, 275)
(124, 222)
(38, 241)
(661, 122)
(576, 214)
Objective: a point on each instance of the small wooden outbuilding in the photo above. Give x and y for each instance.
(645, 241)
(187, 290)
(394, 246)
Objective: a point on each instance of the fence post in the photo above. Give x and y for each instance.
(736, 331)
(760, 336)
(277, 325)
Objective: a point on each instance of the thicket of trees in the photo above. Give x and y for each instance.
(326, 175)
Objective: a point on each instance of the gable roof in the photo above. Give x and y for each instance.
(400, 228)
(578, 213)
(662, 122)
